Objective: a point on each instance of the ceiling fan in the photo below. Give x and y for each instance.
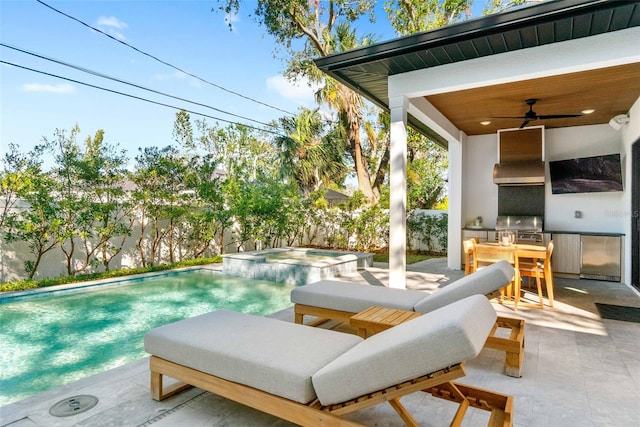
(531, 115)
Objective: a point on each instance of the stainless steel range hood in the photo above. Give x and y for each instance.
(519, 173)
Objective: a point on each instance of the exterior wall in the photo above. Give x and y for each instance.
(602, 212)
(599, 210)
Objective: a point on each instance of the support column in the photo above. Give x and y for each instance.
(398, 193)
(454, 231)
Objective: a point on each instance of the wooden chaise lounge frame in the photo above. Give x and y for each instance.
(513, 345)
(438, 383)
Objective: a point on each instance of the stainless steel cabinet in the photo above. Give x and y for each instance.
(600, 257)
(588, 256)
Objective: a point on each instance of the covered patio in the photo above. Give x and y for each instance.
(463, 83)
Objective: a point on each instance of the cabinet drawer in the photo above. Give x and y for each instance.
(566, 253)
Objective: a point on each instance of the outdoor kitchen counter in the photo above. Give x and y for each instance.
(585, 233)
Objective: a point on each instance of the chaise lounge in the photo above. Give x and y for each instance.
(313, 376)
(336, 300)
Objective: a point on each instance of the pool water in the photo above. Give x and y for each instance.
(300, 255)
(50, 341)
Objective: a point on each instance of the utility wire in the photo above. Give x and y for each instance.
(96, 73)
(138, 97)
(163, 62)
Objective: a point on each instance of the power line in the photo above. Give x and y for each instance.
(164, 62)
(96, 73)
(138, 97)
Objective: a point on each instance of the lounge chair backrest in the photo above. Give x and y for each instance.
(482, 282)
(442, 338)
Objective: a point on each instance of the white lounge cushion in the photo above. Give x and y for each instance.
(352, 297)
(434, 341)
(268, 354)
(482, 282)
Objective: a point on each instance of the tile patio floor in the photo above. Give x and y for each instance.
(579, 370)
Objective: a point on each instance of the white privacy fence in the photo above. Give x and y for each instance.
(360, 230)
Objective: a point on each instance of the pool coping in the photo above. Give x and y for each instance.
(14, 296)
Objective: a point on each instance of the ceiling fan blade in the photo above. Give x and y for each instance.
(526, 122)
(509, 117)
(559, 116)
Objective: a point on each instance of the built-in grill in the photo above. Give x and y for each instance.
(526, 229)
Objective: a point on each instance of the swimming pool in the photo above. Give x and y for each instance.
(49, 341)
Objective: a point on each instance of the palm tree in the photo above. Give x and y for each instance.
(311, 157)
(324, 28)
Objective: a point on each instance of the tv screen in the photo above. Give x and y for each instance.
(586, 174)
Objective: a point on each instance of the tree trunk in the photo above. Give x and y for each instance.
(352, 116)
(362, 169)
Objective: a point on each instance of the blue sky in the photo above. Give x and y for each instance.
(185, 33)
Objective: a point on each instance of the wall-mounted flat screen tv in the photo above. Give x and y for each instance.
(586, 174)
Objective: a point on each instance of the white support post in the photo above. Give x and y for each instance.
(398, 193)
(454, 232)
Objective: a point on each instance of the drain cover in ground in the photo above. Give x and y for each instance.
(73, 405)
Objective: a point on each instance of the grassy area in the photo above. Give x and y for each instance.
(412, 257)
(33, 284)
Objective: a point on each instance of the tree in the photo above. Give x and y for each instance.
(427, 166)
(38, 222)
(308, 155)
(160, 198)
(17, 175)
(497, 6)
(74, 206)
(323, 28)
(414, 16)
(209, 217)
(102, 178)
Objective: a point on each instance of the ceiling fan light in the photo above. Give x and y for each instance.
(485, 122)
(588, 111)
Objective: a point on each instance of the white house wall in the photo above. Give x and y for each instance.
(600, 211)
(479, 193)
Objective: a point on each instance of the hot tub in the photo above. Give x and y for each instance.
(294, 266)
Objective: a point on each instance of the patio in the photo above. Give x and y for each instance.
(579, 370)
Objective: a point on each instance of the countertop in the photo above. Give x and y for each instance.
(584, 233)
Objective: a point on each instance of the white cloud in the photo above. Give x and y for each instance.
(112, 22)
(298, 91)
(39, 87)
(111, 25)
